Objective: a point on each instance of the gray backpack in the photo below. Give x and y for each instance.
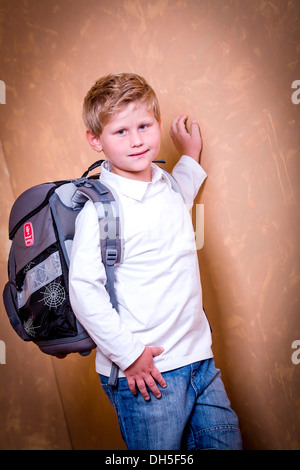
(41, 227)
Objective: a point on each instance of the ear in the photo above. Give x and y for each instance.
(94, 141)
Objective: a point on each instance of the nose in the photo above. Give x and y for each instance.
(136, 139)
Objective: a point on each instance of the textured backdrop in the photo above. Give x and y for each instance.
(230, 64)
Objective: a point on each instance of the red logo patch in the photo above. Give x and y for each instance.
(28, 234)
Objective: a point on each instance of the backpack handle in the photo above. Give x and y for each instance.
(92, 167)
(99, 163)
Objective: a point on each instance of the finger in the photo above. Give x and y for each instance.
(131, 385)
(158, 377)
(156, 350)
(182, 126)
(181, 123)
(195, 130)
(153, 387)
(174, 125)
(143, 389)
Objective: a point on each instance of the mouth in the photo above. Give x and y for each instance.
(139, 154)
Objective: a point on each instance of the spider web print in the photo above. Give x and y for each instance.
(29, 328)
(54, 295)
(39, 276)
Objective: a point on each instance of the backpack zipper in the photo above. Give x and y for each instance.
(36, 210)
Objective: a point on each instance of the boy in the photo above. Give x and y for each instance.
(169, 393)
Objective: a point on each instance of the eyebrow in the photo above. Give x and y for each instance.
(117, 128)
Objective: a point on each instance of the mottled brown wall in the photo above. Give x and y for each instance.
(230, 64)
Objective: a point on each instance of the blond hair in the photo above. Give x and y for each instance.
(112, 92)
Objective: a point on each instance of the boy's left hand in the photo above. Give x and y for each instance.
(187, 143)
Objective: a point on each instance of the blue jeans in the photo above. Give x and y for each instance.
(193, 412)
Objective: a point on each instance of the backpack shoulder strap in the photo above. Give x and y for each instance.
(110, 243)
(109, 225)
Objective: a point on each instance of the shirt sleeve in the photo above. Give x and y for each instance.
(89, 298)
(190, 176)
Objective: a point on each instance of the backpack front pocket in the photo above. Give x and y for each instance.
(42, 296)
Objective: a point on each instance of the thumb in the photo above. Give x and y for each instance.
(156, 350)
(196, 133)
(195, 127)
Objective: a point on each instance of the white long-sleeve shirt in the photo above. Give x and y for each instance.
(157, 285)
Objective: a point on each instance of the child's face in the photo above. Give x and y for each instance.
(130, 141)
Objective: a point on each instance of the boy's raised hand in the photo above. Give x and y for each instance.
(187, 143)
(143, 373)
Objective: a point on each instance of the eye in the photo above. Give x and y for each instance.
(121, 132)
(144, 126)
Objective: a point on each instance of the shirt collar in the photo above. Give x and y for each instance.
(134, 189)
